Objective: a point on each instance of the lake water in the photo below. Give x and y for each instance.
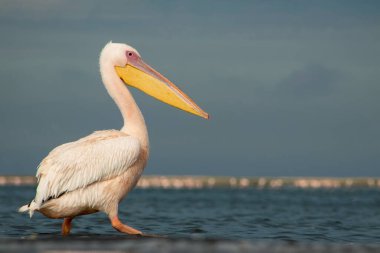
(344, 215)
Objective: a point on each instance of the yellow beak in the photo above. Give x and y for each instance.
(148, 80)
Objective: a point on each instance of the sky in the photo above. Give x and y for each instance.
(292, 87)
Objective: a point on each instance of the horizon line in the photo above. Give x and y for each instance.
(198, 182)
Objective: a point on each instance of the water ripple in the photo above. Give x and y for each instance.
(302, 215)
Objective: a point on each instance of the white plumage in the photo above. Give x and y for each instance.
(95, 173)
(100, 156)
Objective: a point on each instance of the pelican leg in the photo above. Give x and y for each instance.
(66, 226)
(119, 226)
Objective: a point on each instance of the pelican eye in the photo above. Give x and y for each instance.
(131, 55)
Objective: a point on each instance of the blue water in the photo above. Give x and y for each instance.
(288, 214)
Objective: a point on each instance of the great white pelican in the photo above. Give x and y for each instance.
(94, 173)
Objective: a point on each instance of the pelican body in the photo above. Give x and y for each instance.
(96, 172)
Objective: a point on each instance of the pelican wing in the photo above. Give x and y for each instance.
(100, 156)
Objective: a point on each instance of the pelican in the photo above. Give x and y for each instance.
(94, 173)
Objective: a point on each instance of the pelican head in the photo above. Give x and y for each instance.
(134, 72)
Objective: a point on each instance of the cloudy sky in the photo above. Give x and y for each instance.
(292, 87)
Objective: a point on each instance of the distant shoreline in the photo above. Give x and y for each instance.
(194, 182)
